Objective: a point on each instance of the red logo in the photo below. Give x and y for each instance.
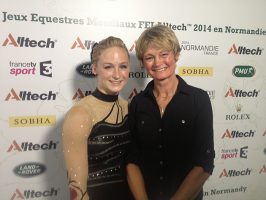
(10, 41)
(17, 195)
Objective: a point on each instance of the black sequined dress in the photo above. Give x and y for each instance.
(107, 146)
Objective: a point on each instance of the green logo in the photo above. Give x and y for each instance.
(243, 71)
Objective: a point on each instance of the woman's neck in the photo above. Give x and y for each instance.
(165, 88)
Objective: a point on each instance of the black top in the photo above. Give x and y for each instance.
(107, 145)
(166, 148)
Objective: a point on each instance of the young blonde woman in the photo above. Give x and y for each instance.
(95, 130)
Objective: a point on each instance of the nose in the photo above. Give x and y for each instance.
(116, 74)
(157, 61)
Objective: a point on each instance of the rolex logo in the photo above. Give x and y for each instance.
(238, 108)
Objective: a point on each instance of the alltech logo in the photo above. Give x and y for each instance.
(22, 41)
(29, 146)
(29, 96)
(29, 121)
(34, 194)
(80, 94)
(263, 170)
(195, 71)
(242, 50)
(84, 45)
(29, 68)
(235, 134)
(234, 173)
(132, 94)
(234, 153)
(241, 93)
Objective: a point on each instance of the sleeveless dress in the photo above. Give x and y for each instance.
(107, 147)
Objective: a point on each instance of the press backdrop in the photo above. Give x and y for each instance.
(45, 47)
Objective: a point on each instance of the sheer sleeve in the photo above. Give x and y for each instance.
(76, 129)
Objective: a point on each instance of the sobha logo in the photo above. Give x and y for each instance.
(243, 71)
(195, 71)
(28, 96)
(29, 169)
(27, 42)
(241, 50)
(28, 121)
(32, 194)
(87, 45)
(29, 146)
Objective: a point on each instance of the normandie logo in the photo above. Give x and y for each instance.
(195, 71)
(30, 121)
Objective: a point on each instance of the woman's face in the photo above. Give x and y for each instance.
(160, 64)
(112, 70)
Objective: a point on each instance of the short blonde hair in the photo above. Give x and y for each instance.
(160, 36)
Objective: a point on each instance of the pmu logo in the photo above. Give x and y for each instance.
(86, 45)
(241, 93)
(29, 146)
(30, 194)
(243, 71)
(29, 96)
(241, 50)
(80, 94)
(234, 134)
(27, 42)
(234, 173)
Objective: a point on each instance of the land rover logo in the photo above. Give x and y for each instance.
(29, 169)
(243, 71)
(85, 69)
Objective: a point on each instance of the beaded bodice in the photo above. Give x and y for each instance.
(107, 147)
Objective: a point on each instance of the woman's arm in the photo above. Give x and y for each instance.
(75, 133)
(191, 185)
(136, 182)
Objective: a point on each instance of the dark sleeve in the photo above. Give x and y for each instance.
(204, 145)
(133, 149)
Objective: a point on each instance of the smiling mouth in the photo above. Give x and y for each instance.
(116, 82)
(159, 69)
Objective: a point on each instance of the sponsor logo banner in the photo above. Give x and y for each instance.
(30, 169)
(28, 121)
(195, 71)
